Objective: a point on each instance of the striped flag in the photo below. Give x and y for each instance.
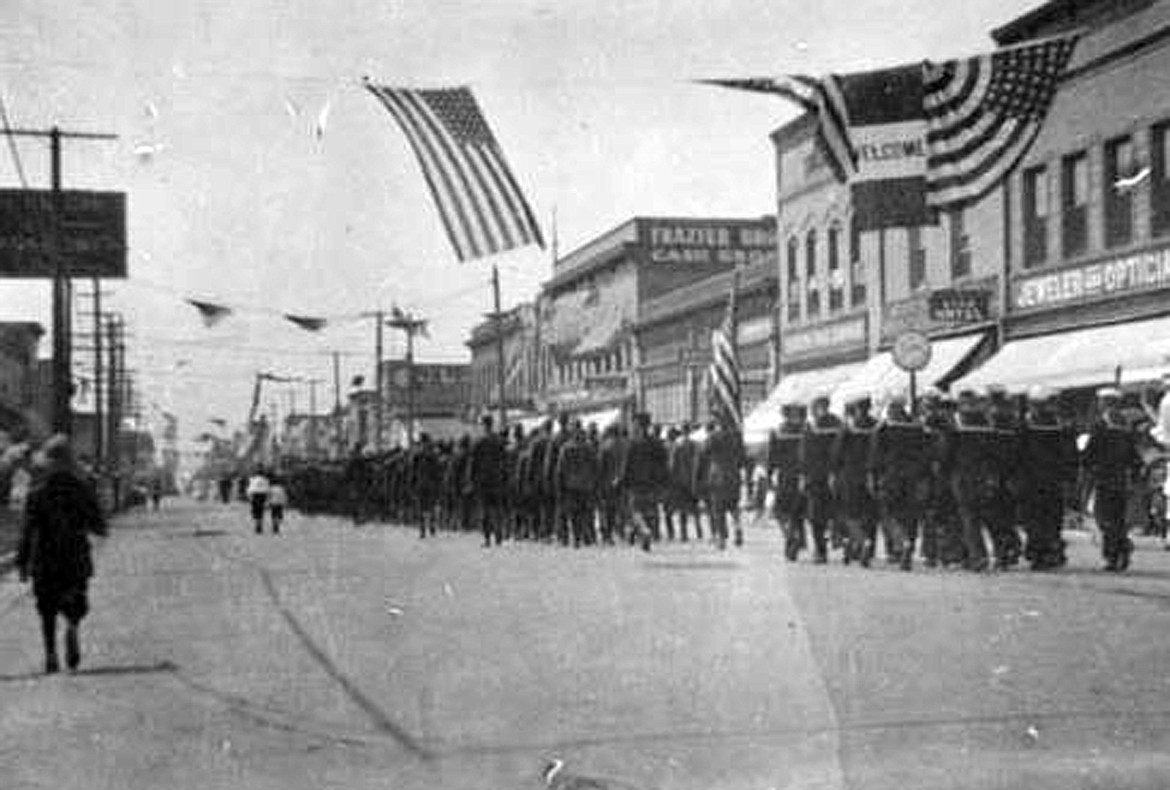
(724, 394)
(821, 98)
(983, 114)
(481, 205)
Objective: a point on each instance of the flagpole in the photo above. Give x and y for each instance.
(499, 320)
(379, 317)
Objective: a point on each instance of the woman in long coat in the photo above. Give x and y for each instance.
(60, 512)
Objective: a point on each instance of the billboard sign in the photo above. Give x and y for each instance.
(92, 231)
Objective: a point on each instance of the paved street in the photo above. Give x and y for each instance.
(335, 656)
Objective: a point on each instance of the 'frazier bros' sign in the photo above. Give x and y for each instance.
(709, 243)
(1143, 271)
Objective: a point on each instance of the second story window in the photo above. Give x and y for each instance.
(1074, 204)
(836, 276)
(1035, 216)
(960, 246)
(793, 259)
(1118, 194)
(810, 270)
(916, 258)
(1160, 180)
(856, 270)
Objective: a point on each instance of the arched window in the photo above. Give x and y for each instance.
(810, 270)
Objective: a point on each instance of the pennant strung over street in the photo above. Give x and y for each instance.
(479, 201)
(983, 114)
(307, 322)
(211, 313)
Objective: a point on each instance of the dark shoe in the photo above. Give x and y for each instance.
(51, 665)
(72, 649)
(907, 560)
(821, 558)
(739, 537)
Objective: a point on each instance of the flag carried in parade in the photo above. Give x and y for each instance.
(724, 395)
(480, 203)
(983, 113)
(922, 138)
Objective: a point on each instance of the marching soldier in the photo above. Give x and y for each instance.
(717, 476)
(1048, 465)
(1111, 459)
(610, 493)
(784, 471)
(643, 472)
(558, 523)
(854, 487)
(576, 476)
(1005, 534)
(973, 462)
(816, 467)
(485, 481)
(901, 465)
(425, 484)
(680, 499)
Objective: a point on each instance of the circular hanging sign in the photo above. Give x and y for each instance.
(912, 351)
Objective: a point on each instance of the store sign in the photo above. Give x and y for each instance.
(940, 311)
(824, 337)
(1143, 271)
(954, 306)
(91, 230)
(709, 243)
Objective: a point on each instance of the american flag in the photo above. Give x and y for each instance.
(481, 205)
(821, 98)
(983, 114)
(723, 376)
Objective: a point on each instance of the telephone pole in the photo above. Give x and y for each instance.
(501, 373)
(62, 341)
(411, 325)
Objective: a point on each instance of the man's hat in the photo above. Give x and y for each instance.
(819, 400)
(859, 400)
(1041, 393)
(1108, 394)
(642, 418)
(791, 408)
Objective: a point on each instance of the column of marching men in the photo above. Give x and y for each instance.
(974, 482)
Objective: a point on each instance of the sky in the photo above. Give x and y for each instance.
(242, 203)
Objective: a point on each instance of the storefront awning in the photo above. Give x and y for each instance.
(1138, 351)
(881, 378)
(794, 388)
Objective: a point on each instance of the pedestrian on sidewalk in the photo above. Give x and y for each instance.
(54, 551)
(257, 491)
(277, 502)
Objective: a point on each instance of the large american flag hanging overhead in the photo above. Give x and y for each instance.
(481, 205)
(983, 114)
(724, 395)
(821, 98)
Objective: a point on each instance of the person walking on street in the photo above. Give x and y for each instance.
(855, 488)
(717, 479)
(784, 471)
(642, 475)
(257, 491)
(277, 502)
(54, 551)
(1112, 462)
(576, 478)
(485, 482)
(900, 465)
(816, 451)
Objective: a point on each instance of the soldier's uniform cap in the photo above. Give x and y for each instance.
(1109, 393)
(860, 400)
(642, 417)
(820, 399)
(968, 394)
(790, 408)
(1041, 393)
